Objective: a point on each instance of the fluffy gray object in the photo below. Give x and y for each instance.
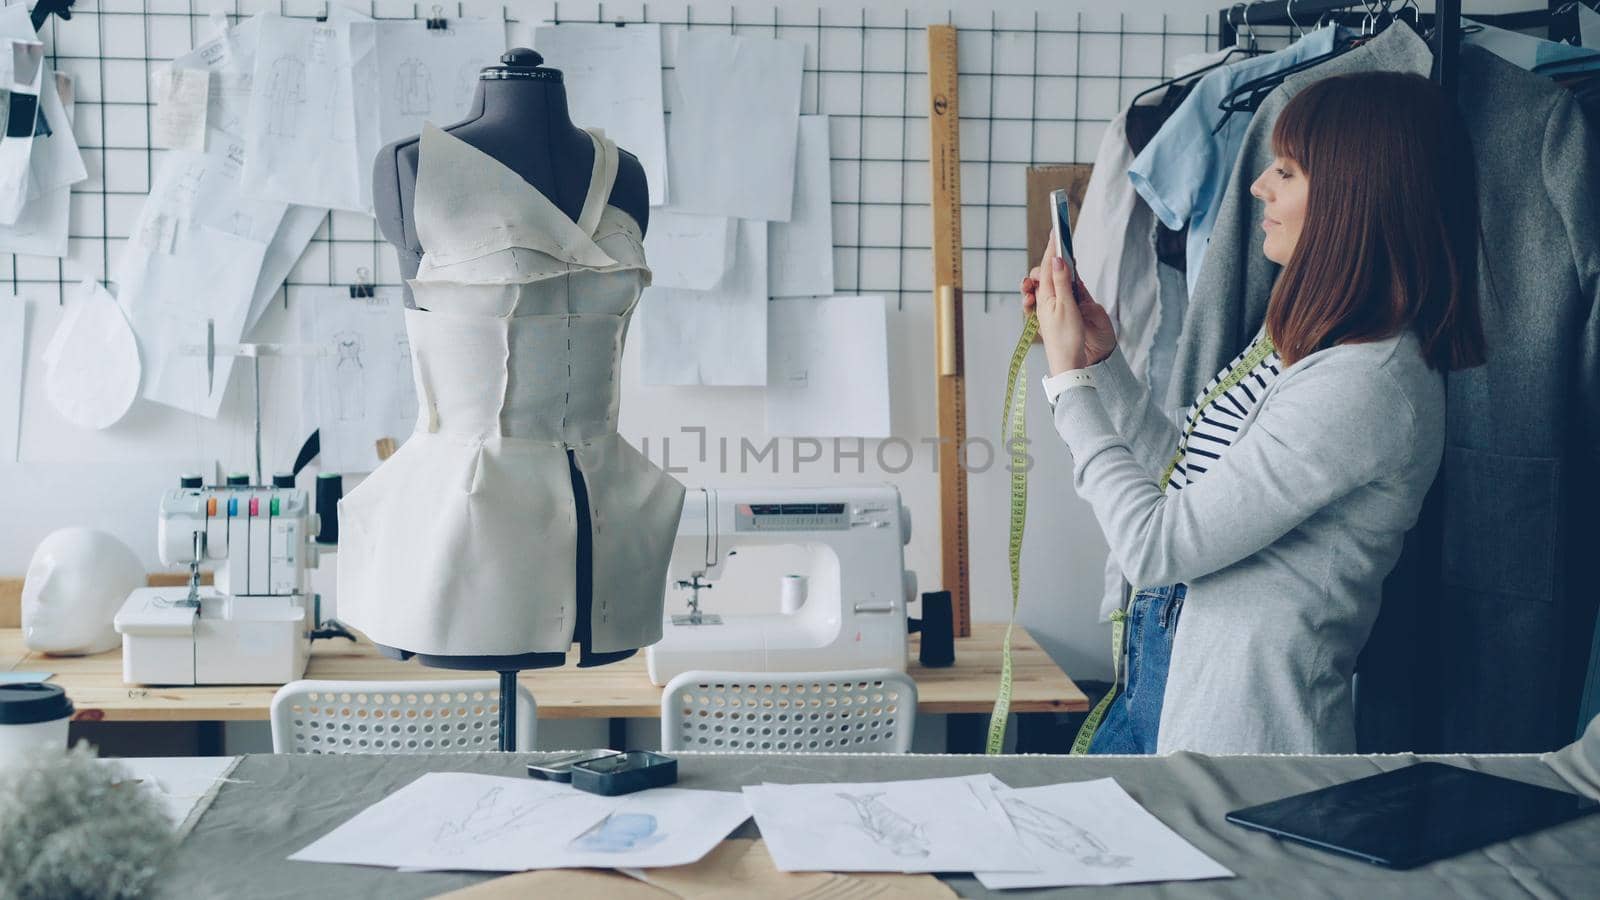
(73, 831)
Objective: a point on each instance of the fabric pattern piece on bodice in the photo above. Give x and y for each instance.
(465, 541)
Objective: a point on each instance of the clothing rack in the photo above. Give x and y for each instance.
(1445, 21)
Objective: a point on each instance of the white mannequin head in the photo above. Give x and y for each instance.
(76, 582)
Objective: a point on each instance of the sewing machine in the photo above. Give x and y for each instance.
(253, 625)
(847, 612)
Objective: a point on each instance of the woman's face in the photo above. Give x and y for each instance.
(1282, 187)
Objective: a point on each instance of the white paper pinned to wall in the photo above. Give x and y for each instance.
(299, 225)
(613, 81)
(828, 367)
(800, 251)
(426, 75)
(181, 96)
(43, 226)
(56, 161)
(307, 141)
(688, 251)
(92, 361)
(732, 138)
(13, 346)
(715, 337)
(194, 256)
(25, 71)
(361, 388)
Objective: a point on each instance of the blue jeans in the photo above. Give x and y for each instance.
(1134, 717)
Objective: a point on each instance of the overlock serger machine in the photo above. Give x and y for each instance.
(253, 626)
(847, 611)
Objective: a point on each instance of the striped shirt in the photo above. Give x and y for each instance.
(1209, 428)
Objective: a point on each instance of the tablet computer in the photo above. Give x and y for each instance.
(1415, 815)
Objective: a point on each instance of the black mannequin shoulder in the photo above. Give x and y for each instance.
(631, 192)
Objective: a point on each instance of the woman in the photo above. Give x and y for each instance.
(1267, 520)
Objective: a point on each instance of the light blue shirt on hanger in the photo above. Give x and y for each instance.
(1183, 172)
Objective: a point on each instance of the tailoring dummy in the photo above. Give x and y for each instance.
(515, 521)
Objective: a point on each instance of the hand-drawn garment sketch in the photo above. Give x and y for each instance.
(285, 90)
(1061, 834)
(414, 88)
(890, 829)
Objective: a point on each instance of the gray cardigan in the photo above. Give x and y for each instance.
(1284, 543)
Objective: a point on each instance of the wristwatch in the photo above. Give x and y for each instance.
(1055, 384)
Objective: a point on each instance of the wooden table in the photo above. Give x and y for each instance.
(618, 691)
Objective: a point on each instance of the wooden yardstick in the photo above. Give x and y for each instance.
(944, 162)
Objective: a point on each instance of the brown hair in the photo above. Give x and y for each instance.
(1390, 233)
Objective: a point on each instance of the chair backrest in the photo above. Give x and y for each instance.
(395, 716)
(860, 711)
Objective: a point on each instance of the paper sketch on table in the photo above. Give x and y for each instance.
(458, 820)
(421, 74)
(496, 814)
(613, 81)
(828, 367)
(654, 828)
(92, 361)
(306, 139)
(42, 228)
(194, 256)
(619, 833)
(715, 337)
(925, 825)
(887, 828)
(13, 347)
(800, 251)
(1061, 834)
(181, 97)
(1093, 833)
(178, 783)
(360, 389)
(688, 251)
(734, 128)
(25, 74)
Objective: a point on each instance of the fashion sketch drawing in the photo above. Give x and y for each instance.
(1062, 835)
(891, 830)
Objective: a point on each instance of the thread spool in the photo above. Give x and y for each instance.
(792, 595)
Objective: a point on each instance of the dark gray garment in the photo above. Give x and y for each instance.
(1482, 641)
(275, 805)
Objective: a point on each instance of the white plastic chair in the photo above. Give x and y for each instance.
(860, 711)
(395, 716)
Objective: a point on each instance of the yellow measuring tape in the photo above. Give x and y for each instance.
(1262, 349)
(1015, 430)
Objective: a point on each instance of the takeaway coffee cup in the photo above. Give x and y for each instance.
(32, 715)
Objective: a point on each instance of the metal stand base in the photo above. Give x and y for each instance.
(508, 711)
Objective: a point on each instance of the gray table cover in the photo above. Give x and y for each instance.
(275, 805)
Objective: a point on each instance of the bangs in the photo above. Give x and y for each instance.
(1292, 134)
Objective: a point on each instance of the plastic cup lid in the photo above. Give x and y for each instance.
(30, 702)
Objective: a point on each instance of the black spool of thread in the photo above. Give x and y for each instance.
(330, 487)
(938, 631)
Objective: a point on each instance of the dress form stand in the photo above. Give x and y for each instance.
(519, 116)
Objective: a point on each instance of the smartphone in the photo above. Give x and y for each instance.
(1061, 226)
(560, 767)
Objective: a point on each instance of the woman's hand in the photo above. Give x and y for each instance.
(1075, 330)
